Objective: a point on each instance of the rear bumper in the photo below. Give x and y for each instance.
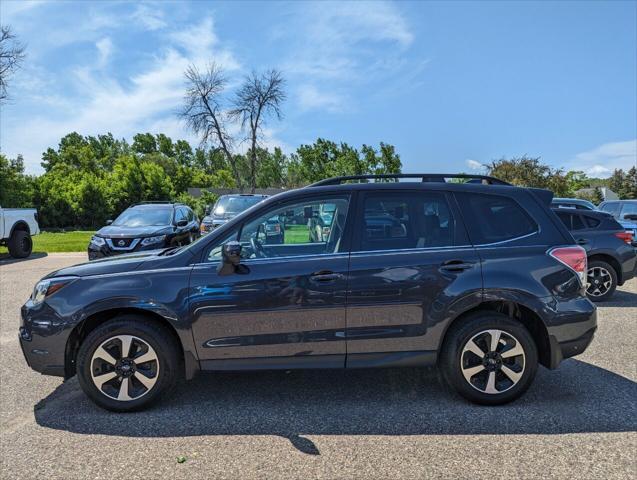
(572, 329)
(571, 348)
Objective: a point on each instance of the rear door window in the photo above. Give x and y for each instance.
(494, 218)
(406, 220)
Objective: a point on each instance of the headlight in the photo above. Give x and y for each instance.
(46, 288)
(97, 241)
(152, 240)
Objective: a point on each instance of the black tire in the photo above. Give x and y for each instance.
(20, 244)
(474, 326)
(156, 336)
(606, 293)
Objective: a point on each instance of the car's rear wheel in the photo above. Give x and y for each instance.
(126, 363)
(20, 244)
(602, 281)
(489, 358)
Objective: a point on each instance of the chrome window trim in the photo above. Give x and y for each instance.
(133, 244)
(249, 261)
(411, 250)
(509, 240)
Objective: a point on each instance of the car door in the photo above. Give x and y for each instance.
(287, 306)
(410, 261)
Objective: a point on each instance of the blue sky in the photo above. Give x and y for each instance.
(450, 84)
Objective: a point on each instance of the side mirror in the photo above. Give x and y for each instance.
(182, 223)
(231, 259)
(207, 211)
(108, 222)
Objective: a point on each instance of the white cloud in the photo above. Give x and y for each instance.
(602, 160)
(344, 45)
(474, 164)
(145, 101)
(105, 50)
(310, 97)
(149, 18)
(598, 171)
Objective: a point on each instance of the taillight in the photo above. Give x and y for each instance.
(627, 237)
(574, 258)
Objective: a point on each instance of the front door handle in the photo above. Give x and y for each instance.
(325, 276)
(455, 266)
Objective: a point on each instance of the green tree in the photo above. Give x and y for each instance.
(16, 188)
(529, 172)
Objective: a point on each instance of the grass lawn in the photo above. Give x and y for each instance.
(297, 234)
(49, 242)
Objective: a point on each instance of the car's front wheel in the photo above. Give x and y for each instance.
(602, 281)
(126, 363)
(489, 358)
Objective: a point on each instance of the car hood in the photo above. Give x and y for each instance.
(117, 264)
(114, 231)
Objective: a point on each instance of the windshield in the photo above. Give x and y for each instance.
(235, 204)
(144, 217)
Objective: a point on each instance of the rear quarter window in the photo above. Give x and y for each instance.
(494, 218)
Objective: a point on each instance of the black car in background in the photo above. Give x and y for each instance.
(611, 257)
(145, 226)
(480, 279)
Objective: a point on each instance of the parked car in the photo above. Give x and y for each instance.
(228, 207)
(576, 203)
(625, 212)
(145, 226)
(17, 225)
(611, 257)
(489, 293)
(320, 223)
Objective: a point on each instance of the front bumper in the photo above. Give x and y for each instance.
(43, 339)
(95, 252)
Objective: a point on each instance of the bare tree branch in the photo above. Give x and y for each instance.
(260, 96)
(11, 56)
(203, 114)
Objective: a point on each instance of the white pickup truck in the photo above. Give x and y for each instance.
(16, 227)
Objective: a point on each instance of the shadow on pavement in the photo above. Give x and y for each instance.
(578, 397)
(6, 259)
(621, 298)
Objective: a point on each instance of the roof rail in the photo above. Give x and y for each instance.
(425, 177)
(152, 202)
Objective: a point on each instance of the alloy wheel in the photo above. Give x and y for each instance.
(124, 368)
(493, 361)
(599, 281)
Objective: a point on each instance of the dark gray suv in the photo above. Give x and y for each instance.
(480, 278)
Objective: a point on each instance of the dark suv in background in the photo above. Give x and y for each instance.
(145, 226)
(611, 256)
(480, 278)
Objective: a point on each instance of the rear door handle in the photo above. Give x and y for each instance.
(581, 241)
(325, 276)
(455, 266)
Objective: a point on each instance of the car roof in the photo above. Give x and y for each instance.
(261, 195)
(589, 213)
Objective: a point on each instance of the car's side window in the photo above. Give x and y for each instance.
(494, 218)
(301, 227)
(610, 207)
(567, 219)
(406, 220)
(179, 215)
(628, 209)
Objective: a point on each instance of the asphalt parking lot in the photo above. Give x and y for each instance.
(579, 421)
